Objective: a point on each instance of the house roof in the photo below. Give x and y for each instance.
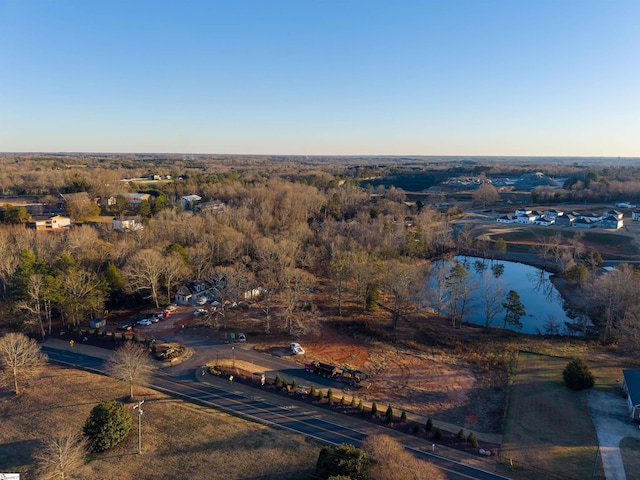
(632, 380)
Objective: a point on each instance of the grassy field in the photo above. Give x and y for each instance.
(617, 244)
(630, 449)
(548, 431)
(179, 440)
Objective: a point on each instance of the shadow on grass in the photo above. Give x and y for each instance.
(17, 454)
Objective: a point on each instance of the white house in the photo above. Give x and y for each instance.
(507, 219)
(614, 213)
(526, 219)
(612, 222)
(522, 211)
(127, 224)
(55, 222)
(553, 213)
(193, 293)
(544, 221)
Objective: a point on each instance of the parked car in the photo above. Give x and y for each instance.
(242, 337)
(200, 311)
(144, 321)
(155, 318)
(125, 327)
(296, 349)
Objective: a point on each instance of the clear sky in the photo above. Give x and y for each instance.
(446, 77)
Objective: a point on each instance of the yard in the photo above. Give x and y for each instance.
(548, 428)
(179, 440)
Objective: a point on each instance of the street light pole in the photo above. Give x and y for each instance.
(233, 353)
(139, 407)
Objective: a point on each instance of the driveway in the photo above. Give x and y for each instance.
(612, 422)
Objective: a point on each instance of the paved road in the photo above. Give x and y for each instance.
(189, 382)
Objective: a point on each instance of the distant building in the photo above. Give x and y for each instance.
(635, 215)
(507, 219)
(190, 201)
(612, 222)
(552, 213)
(129, 224)
(614, 213)
(584, 222)
(544, 221)
(55, 222)
(565, 219)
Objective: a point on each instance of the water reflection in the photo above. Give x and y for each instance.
(489, 281)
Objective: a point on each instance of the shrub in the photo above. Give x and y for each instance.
(361, 407)
(312, 392)
(389, 415)
(123, 337)
(294, 385)
(472, 440)
(342, 401)
(113, 336)
(353, 402)
(134, 338)
(278, 380)
(284, 382)
(346, 460)
(438, 434)
(330, 396)
(577, 375)
(403, 417)
(461, 434)
(429, 426)
(374, 409)
(108, 424)
(416, 428)
(320, 395)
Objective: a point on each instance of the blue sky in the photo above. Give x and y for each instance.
(343, 77)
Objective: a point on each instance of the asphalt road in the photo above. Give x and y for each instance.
(258, 406)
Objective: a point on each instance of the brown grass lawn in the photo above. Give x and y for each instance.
(630, 448)
(548, 428)
(179, 440)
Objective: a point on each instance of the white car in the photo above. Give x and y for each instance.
(296, 349)
(200, 311)
(144, 322)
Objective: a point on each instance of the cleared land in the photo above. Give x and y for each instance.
(548, 428)
(179, 440)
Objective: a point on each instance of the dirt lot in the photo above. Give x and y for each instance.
(426, 382)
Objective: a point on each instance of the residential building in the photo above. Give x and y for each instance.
(611, 222)
(55, 222)
(631, 388)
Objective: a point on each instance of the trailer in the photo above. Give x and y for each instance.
(323, 369)
(351, 376)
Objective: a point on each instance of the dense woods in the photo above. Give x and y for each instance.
(287, 226)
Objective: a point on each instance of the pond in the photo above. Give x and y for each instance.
(490, 280)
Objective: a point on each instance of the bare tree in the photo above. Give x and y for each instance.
(402, 282)
(34, 301)
(61, 455)
(296, 284)
(173, 272)
(391, 461)
(131, 364)
(339, 270)
(143, 273)
(20, 358)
